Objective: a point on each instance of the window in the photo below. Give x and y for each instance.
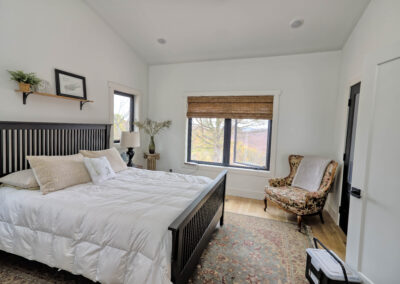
(207, 139)
(250, 141)
(123, 114)
(242, 141)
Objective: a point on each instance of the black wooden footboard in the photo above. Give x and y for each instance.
(192, 230)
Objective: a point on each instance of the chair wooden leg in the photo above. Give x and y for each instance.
(265, 203)
(321, 217)
(299, 222)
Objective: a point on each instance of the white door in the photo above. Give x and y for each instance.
(373, 244)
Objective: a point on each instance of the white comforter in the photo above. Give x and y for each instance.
(116, 232)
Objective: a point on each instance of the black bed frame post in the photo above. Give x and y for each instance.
(221, 221)
(193, 228)
(174, 255)
(108, 134)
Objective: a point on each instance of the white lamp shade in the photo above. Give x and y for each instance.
(130, 139)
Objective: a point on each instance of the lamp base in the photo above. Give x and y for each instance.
(130, 154)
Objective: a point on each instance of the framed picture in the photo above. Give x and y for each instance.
(70, 85)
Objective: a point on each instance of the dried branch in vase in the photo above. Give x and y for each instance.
(152, 127)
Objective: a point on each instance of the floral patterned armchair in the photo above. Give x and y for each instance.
(296, 200)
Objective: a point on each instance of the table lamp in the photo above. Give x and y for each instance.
(130, 140)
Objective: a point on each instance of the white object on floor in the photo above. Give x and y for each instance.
(114, 232)
(321, 259)
(310, 173)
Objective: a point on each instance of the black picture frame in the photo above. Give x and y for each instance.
(70, 95)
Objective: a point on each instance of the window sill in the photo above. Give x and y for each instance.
(241, 171)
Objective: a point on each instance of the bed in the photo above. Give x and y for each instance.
(141, 227)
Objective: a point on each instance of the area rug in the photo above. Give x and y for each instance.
(255, 250)
(245, 250)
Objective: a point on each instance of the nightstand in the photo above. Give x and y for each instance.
(151, 160)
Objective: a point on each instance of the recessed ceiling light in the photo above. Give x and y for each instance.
(161, 41)
(296, 23)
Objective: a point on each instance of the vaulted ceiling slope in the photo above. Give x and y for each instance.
(196, 30)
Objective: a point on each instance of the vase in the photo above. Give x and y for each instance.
(152, 146)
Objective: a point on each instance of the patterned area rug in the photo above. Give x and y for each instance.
(255, 250)
(245, 250)
(14, 269)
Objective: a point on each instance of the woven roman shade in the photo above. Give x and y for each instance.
(239, 107)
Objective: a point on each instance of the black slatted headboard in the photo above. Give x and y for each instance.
(21, 139)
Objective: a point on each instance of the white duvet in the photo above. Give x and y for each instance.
(116, 232)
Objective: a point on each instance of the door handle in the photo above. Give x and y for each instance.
(355, 192)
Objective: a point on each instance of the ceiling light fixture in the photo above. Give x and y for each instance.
(161, 41)
(296, 23)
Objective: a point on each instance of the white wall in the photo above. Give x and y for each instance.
(308, 85)
(378, 27)
(38, 36)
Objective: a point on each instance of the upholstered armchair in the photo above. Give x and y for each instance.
(296, 200)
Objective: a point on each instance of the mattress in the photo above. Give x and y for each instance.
(116, 232)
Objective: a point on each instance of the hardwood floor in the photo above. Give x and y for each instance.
(329, 233)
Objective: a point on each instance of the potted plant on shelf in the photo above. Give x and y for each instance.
(152, 128)
(25, 80)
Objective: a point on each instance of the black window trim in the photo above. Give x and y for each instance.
(132, 110)
(226, 148)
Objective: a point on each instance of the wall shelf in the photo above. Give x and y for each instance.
(26, 94)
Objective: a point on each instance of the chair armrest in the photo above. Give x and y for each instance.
(277, 182)
(320, 194)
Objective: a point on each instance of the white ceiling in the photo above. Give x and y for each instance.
(220, 29)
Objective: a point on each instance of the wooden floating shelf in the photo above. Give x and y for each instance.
(26, 94)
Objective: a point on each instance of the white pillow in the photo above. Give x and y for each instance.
(99, 169)
(112, 155)
(22, 179)
(310, 173)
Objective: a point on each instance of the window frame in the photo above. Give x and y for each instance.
(132, 110)
(227, 146)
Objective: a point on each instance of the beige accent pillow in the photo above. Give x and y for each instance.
(112, 156)
(19, 188)
(58, 172)
(22, 179)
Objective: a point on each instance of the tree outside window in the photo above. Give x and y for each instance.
(123, 114)
(230, 142)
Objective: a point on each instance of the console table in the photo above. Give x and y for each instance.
(151, 160)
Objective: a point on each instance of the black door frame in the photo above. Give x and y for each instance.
(349, 150)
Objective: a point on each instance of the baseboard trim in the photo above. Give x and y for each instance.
(366, 280)
(245, 193)
(333, 213)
